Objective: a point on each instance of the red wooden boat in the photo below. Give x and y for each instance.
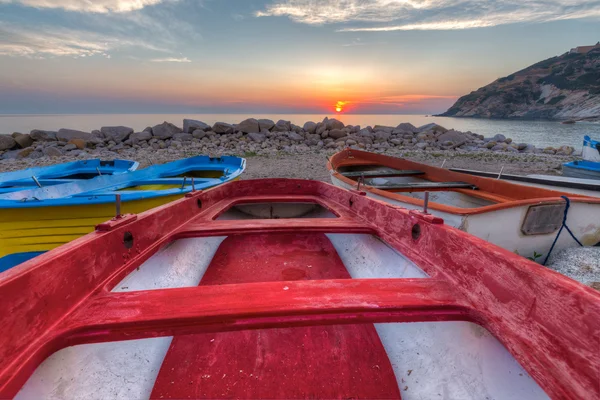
(292, 289)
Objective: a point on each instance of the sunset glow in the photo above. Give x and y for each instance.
(339, 106)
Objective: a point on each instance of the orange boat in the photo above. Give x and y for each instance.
(526, 220)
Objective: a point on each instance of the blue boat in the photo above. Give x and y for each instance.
(36, 220)
(591, 149)
(62, 173)
(582, 169)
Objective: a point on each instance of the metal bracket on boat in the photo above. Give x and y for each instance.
(118, 206)
(444, 163)
(426, 203)
(36, 181)
(500, 174)
(99, 173)
(361, 179)
(193, 185)
(183, 184)
(116, 223)
(430, 218)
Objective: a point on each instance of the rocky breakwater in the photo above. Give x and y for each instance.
(260, 136)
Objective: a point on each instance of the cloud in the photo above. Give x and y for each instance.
(172, 59)
(394, 15)
(94, 6)
(46, 42)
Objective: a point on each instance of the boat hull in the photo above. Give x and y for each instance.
(591, 149)
(582, 170)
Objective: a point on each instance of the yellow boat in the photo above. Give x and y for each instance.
(37, 220)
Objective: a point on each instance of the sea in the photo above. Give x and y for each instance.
(539, 133)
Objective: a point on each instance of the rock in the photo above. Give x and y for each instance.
(499, 147)
(351, 142)
(69, 147)
(148, 129)
(432, 127)
(116, 133)
(25, 152)
(249, 125)
(337, 133)
(499, 138)
(522, 146)
(43, 136)
(191, 125)
(396, 141)
(77, 153)
(406, 127)
(199, 134)
(382, 135)
(140, 136)
(166, 130)
(383, 128)
(222, 128)
(79, 143)
(52, 152)
(10, 155)
(333, 123)
(265, 124)
(511, 149)
(549, 150)
(7, 142)
(257, 137)
(490, 145)
(282, 126)
(295, 137)
(23, 140)
(452, 136)
(508, 141)
(421, 146)
(118, 146)
(310, 127)
(64, 135)
(565, 150)
(365, 133)
(183, 137)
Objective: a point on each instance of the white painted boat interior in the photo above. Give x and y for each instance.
(276, 211)
(447, 197)
(445, 360)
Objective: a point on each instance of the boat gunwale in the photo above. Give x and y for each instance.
(519, 302)
(550, 196)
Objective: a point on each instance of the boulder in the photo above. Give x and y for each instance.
(321, 128)
(7, 142)
(64, 135)
(452, 136)
(499, 138)
(140, 136)
(406, 127)
(191, 125)
(257, 137)
(24, 152)
(333, 123)
(265, 124)
(79, 143)
(70, 146)
(432, 127)
(23, 140)
(499, 147)
(10, 155)
(490, 145)
(382, 135)
(366, 133)
(52, 152)
(382, 128)
(148, 129)
(249, 125)
(116, 133)
(337, 133)
(565, 150)
(43, 136)
(166, 130)
(199, 134)
(282, 126)
(222, 128)
(295, 137)
(421, 146)
(310, 127)
(183, 137)
(522, 146)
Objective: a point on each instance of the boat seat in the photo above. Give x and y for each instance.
(381, 173)
(426, 185)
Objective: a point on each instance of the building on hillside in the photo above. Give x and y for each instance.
(585, 49)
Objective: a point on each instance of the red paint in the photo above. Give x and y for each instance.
(549, 323)
(343, 361)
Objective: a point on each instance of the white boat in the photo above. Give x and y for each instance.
(585, 187)
(522, 219)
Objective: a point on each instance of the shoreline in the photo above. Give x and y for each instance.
(270, 146)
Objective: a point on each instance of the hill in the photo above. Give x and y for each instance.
(562, 88)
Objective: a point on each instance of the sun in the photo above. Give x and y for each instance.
(338, 109)
(339, 106)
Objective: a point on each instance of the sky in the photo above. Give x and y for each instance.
(273, 56)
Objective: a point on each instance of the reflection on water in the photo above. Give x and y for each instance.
(539, 133)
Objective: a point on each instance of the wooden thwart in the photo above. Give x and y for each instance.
(382, 173)
(426, 185)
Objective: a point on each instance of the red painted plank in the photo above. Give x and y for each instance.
(344, 361)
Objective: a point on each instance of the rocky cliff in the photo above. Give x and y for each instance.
(566, 87)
